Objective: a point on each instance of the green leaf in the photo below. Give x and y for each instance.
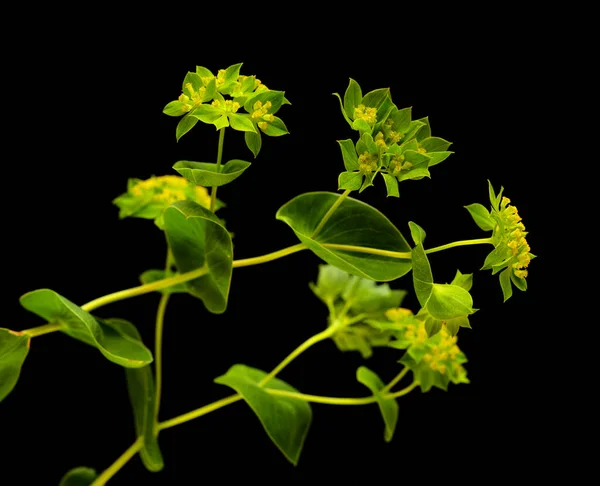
(198, 239)
(349, 154)
(79, 476)
(425, 130)
(417, 233)
(231, 75)
(361, 125)
(208, 174)
(185, 125)
(391, 184)
(352, 98)
(435, 144)
(275, 128)
(150, 276)
(481, 216)
(495, 199)
(286, 420)
(194, 80)
(388, 406)
(206, 113)
(140, 385)
(241, 123)
(437, 157)
(368, 181)
(413, 174)
(14, 347)
(350, 181)
(353, 223)
(463, 280)
(375, 98)
(79, 324)
(331, 282)
(422, 276)
(365, 296)
(174, 108)
(401, 119)
(448, 301)
(342, 108)
(519, 282)
(274, 97)
(454, 324)
(413, 127)
(221, 122)
(505, 284)
(253, 142)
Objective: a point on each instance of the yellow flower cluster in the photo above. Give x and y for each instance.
(261, 111)
(228, 105)
(169, 189)
(367, 163)
(397, 164)
(514, 237)
(413, 330)
(440, 357)
(361, 112)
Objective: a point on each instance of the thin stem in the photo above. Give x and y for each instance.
(186, 417)
(297, 352)
(41, 330)
(320, 399)
(160, 320)
(118, 464)
(144, 289)
(480, 241)
(213, 193)
(328, 214)
(395, 381)
(404, 391)
(365, 249)
(246, 262)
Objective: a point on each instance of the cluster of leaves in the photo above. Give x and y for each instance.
(369, 315)
(390, 143)
(511, 254)
(217, 100)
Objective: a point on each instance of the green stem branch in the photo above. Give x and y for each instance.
(404, 391)
(119, 463)
(41, 330)
(480, 241)
(246, 262)
(331, 210)
(395, 381)
(199, 412)
(213, 192)
(320, 399)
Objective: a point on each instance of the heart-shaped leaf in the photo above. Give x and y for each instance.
(140, 384)
(208, 174)
(286, 420)
(79, 476)
(79, 324)
(354, 224)
(14, 347)
(388, 406)
(197, 239)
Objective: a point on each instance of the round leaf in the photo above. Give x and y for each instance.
(14, 347)
(354, 223)
(286, 420)
(197, 239)
(388, 406)
(79, 324)
(207, 175)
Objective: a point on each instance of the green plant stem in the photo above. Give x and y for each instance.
(107, 474)
(246, 262)
(41, 330)
(213, 192)
(199, 412)
(320, 399)
(327, 333)
(395, 381)
(404, 391)
(480, 241)
(144, 289)
(331, 210)
(160, 321)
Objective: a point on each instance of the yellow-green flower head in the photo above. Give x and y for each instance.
(149, 198)
(367, 163)
(510, 233)
(361, 112)
(443, 355)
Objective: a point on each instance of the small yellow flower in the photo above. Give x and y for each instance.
(361, 112)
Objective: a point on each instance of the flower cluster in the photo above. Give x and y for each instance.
(149, 198)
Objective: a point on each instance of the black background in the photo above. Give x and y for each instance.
(86, 115)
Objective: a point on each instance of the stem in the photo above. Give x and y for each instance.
(480, 241)
(160, 320)
(328, 214)
(119, 463)
(41, 330)
(320, 399)
(404, 391)
(365, 249)
(297, 352)
(246, 262)
(395, 381)
(144, 289)
(199, 412)
(213, 193)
